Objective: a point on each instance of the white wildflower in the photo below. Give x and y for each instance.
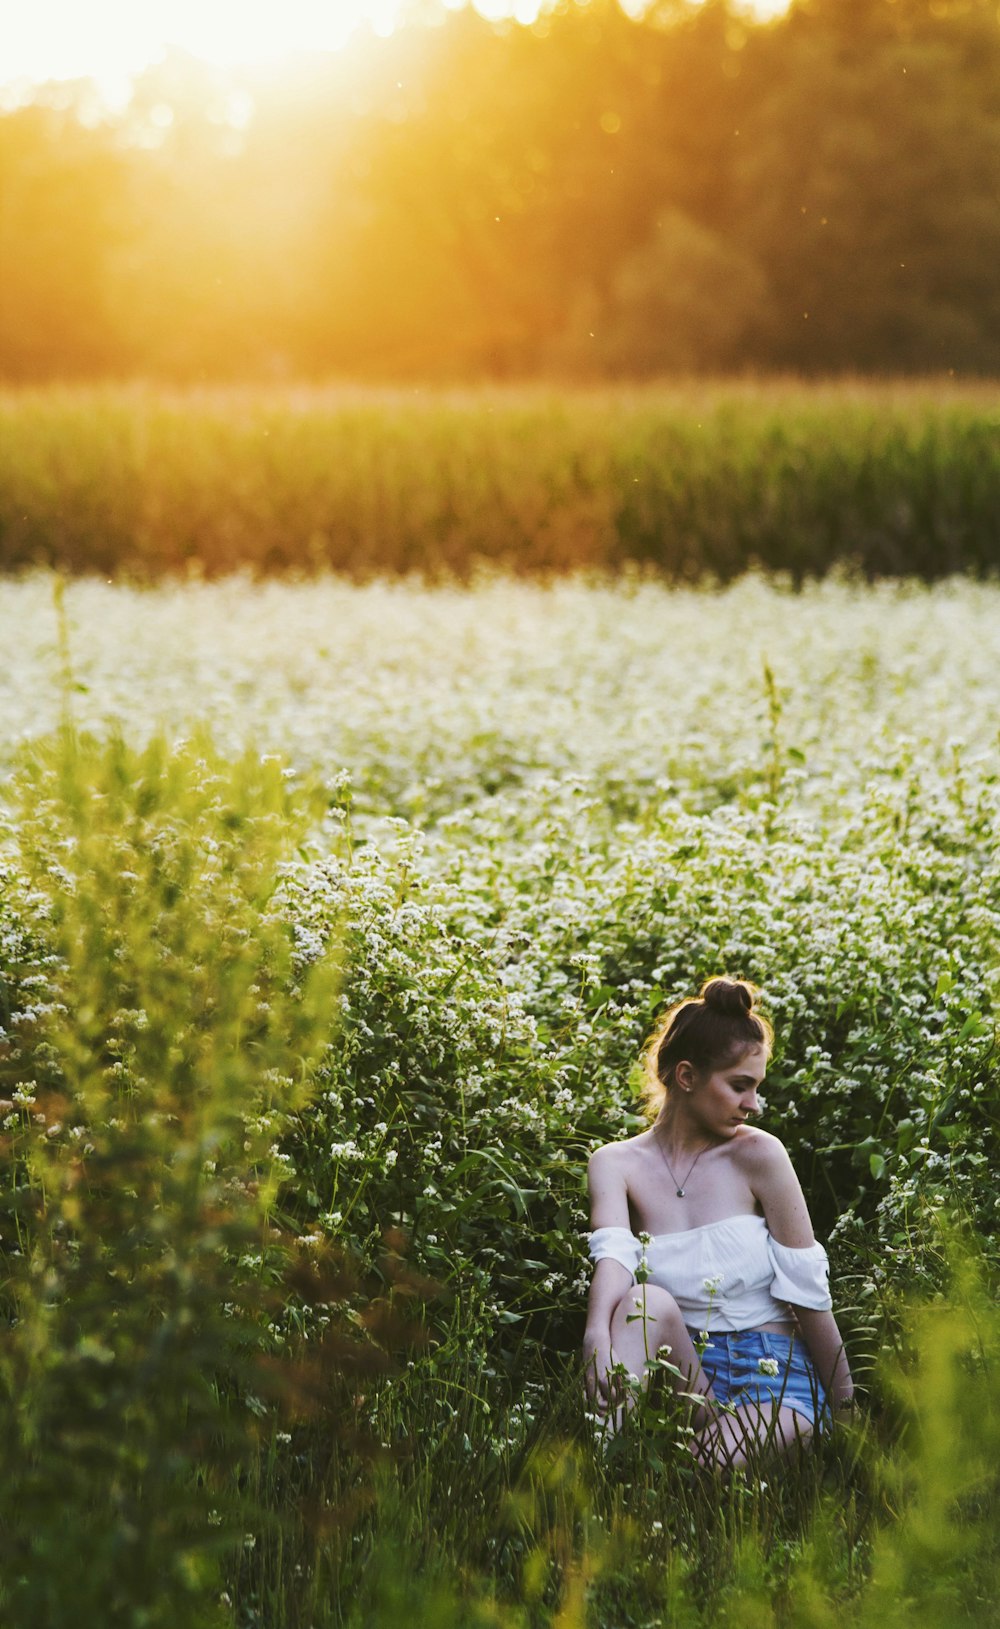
(345, 1151)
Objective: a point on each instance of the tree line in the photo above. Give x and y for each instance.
(595, 195)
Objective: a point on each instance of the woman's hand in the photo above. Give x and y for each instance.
(597, 1360)
(844, 1407)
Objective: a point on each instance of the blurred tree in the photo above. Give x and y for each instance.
(217, 267)
(691, 187)
(63, 216)
(684, 300)
(867, 189)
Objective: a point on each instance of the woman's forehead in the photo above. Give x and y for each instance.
(750, 1060)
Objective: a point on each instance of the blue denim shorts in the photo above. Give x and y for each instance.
(733, 1361)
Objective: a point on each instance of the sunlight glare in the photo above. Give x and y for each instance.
(111, 40)
(108, 39)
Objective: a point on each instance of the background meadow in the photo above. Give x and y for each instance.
(333, 919)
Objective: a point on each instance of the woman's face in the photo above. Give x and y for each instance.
(724, 1100)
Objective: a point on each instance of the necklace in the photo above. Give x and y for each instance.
(680, 1186)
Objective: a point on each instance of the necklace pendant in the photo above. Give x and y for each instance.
(680, 1193)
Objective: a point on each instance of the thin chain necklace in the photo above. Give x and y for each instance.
(680, 1186)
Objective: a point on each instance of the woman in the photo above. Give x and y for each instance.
(700, 1226)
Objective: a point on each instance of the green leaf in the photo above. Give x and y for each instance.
(876, 1165)
(973, 1026)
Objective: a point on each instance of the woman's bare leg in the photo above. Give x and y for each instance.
(645, 1319)
(751, 1434)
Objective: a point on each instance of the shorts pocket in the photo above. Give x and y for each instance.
(777, 1370)
(774, 1349)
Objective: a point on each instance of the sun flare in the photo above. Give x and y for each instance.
(110, 39)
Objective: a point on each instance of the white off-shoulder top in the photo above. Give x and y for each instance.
(726, 1275)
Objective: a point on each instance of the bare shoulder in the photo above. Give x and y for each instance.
(765, 1162)
(760, 1151)
(611, 1155)
(608, 1165)
(607, 1180)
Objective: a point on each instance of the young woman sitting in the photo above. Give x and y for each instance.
(703, 1245)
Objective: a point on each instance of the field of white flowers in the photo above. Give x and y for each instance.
(529, 817)
(434, 697)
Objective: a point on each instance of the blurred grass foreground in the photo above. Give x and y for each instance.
(890, 480)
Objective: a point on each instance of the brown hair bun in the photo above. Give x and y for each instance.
(734, 997)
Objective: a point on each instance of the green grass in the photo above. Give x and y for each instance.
(687, 481)
(311, 1018)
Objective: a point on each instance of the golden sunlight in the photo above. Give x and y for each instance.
(111, 39)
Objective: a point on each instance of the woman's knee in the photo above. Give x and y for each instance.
(649, 1302)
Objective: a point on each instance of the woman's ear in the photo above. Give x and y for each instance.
(685, 1075)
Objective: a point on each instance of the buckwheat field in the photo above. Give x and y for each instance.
(333, 918)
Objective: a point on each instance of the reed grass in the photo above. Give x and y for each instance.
(686, 481)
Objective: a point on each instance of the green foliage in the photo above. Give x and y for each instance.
(884, 480)
(141, 1269)
(491, 1017)
(683, 300)
(877, 1526)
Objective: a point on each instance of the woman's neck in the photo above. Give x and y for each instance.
(678, 1133)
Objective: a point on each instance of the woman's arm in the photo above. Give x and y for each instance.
(608, 1285)
(608, 1208)
(826, 1348)
(775, 1184)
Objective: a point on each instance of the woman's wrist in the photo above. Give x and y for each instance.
(596, 1335)
(843, 1385)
